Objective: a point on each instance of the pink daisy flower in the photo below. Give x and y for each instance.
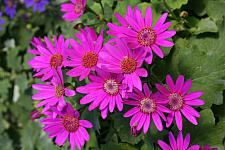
(49, 57)
(180, 101)
(146, 106)
(73, 10)
(180, 143)
(104, 90)
(119, 58)
(84, 56)
(67, 126)
(52, 94)
(36, 41)
(139, 32)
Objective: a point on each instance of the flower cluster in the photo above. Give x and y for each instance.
(11, 6)
(114, 71)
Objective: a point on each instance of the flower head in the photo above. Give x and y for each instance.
(105, 90)
(35, 115)
(117, 57)
(38, 5)
(146, 106)
(180, 101)
(10, 8)
(179, 144)
(67, 125)
(73, 10)
(52, 94)
(2, 21)
(36, 41)
(140, 33)
(84, 56)
(49, 58)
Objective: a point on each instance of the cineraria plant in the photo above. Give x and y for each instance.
(112, 74)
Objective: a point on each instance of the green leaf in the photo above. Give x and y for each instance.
(206, 132)
(5, 85)
(202, 59)
(176, 4)
(122, 7)
(115, 146)
(5, 142)
(29, 135)
(122, 127)
(215, 9)
(199, 6)
(92, 116)
(4, 124)
(13, 61)
(205, 25)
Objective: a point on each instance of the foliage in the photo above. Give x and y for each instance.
(198, 54)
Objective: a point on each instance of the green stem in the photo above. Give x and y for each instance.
(102, 7)
(92, 11)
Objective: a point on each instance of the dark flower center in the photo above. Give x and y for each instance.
(59, 91)
(78, 7)
(175, 101)
(56, 60)
(128, 65)
(147, 36)
(111, 87)
(70, 123)
(147, 105)
(90, 59)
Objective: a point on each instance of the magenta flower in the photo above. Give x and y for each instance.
(178, 144)
(35, 115)
(84, 56)
(51, 57)
(52, 94)
(139, 32)
(119, 58)
(67, 126)
(36, 41)
(104, 90)
(180, 101)
(73, 10)
(38, 5)
(146, 106)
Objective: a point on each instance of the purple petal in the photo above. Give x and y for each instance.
(131, 112)
(148, 17)
(186, 141)
(193, 95)
(157, 121)
(172, 140)
(186, 87)
(163, 145)
(179, 83)
(170, 83)
(189, 117)
(178, 118)
(147, 123)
